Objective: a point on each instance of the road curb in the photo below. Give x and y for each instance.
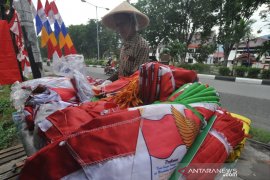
(97, 66)
(236, 79)
(225, 78)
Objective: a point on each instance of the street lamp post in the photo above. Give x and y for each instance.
(96, 23)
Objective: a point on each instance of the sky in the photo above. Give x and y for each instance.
(75, 12)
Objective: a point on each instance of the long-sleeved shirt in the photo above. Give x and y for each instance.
(134, 52)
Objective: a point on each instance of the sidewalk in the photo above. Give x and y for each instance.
(254, 162)
(236, 79)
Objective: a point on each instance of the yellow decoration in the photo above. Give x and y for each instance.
(53, 39)
(62, 40)
(44, 37)
(68, 41)
(246, 126)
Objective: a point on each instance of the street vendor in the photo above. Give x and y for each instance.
(127, 20)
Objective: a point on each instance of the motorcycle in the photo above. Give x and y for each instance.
(109, 70)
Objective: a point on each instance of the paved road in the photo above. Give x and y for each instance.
(250, 100)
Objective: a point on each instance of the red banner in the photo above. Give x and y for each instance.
(9, 69)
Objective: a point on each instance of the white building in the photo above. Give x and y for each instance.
(251, 49)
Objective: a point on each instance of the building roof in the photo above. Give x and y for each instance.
(246, 57)
(193, 46)
(218, 55)
(252, 43)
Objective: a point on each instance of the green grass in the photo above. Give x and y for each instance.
(8, 135)
(260, 135)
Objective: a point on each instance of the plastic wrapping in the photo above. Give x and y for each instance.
(21, 91)
(84, 89)
(18, 95)
(66, 65)
(25, 136)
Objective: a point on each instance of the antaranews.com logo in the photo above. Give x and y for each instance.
(207, 171)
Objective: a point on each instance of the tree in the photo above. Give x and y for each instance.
(203, 52)
(177, 49)
(177, 19)
(234, 24)
(85, 39)
(265, 16)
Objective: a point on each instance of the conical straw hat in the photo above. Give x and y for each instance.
(141, 19)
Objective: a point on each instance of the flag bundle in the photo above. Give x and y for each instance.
(44, 19)
(22, 54)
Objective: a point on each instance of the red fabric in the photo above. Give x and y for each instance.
(166, 86)
(119, 84)
(92, 146)
(16, 28)
(66, 121)
(50, 49)
(183, 76)
(9, 69)
(230, 127)
(54, 7)
(69, 51)
(53, 161)
(58, 50)
(167, 142)
(66, 94)
(47, 7)
(107, 142)
(212, 153)
(205, 112)
(115, 117)
(71, 119)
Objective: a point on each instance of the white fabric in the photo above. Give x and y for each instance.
(45, 125)
(140, 166)
(150, 112)
(222, 139)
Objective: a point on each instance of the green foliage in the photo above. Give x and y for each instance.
(203, 52)
(174, 19)
(165, 51)
(7, 134)
(240, 71)
(264, 49)
(234, 22)
(224, 71)
(84, 38)
(7, 128)
(101, 62)
(266, 74)
(260, 135)
(201, 68)
(198, 67)
(185, 66)
(253, 72)
(177, 49)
